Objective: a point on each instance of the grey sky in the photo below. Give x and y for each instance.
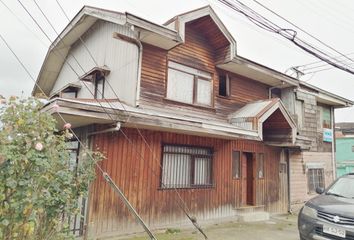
(330, 21)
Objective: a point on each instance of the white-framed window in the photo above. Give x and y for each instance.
(189, 85)
(186, 167)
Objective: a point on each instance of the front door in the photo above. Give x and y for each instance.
(247, 163)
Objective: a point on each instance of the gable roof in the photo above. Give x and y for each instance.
(253, 115)
(178, 23)
(151, 33)
(166, 36)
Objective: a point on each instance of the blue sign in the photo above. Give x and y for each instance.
(327, 135)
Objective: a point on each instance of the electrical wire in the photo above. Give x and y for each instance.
(302, 30)
(289, 34)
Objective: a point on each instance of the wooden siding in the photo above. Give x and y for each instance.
(198, 52)
(136, 170)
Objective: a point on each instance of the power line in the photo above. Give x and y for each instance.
(304, 31)
(289, 34)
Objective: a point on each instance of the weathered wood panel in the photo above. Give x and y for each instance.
(197, 52)
(136, 169)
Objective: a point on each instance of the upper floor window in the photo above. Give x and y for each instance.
(97, 76)
(189, 85)
(69, 93)
(70, 90)
(300, 113)
(326, 117)
(99, 86)
(224, 85)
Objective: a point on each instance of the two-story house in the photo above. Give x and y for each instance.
(183, 120)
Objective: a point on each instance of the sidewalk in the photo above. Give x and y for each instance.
(277, 228)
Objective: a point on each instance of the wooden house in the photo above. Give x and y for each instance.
(184, 120)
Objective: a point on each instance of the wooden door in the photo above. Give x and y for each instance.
(250, 179)
(248, 182)
(283, 177)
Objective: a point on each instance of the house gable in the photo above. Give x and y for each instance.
(205, 18)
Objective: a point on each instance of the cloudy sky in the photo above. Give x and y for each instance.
(328, 20)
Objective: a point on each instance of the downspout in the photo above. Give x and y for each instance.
(290, 210)
(138, 42)
(333, 145)
(116, 128)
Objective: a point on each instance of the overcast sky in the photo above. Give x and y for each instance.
(330, 21)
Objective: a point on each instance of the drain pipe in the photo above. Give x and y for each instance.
(137, 42)
(290, 210)
(333, 145)
(116, 128)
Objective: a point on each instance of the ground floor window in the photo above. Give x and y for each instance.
(315, 178)
(76, 223)
(186, 167)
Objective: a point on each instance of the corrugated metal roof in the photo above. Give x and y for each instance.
(251, 109)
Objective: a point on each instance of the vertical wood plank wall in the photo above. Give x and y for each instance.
(136, 170)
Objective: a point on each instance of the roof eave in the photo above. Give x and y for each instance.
(258, 72)
(328, 97)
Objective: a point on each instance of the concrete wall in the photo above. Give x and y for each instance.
(299, 162)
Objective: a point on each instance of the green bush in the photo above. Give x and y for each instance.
(37, 187)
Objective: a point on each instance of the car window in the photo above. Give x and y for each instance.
(343, 187)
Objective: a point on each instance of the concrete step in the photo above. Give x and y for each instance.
(253, 216)
(250, 208)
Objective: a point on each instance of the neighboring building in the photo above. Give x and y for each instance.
(344, 148)
(220, 130)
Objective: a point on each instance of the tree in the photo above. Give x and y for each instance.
(38, 189)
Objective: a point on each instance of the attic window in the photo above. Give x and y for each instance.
(224, 85)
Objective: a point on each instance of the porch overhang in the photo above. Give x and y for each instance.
(87, 112)
(270, 119)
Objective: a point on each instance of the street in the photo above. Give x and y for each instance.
(277, 228)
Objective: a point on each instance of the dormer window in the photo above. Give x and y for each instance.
(188, 85)
(70, 90)
(99, 86)
(69, 93)
(97, 76)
